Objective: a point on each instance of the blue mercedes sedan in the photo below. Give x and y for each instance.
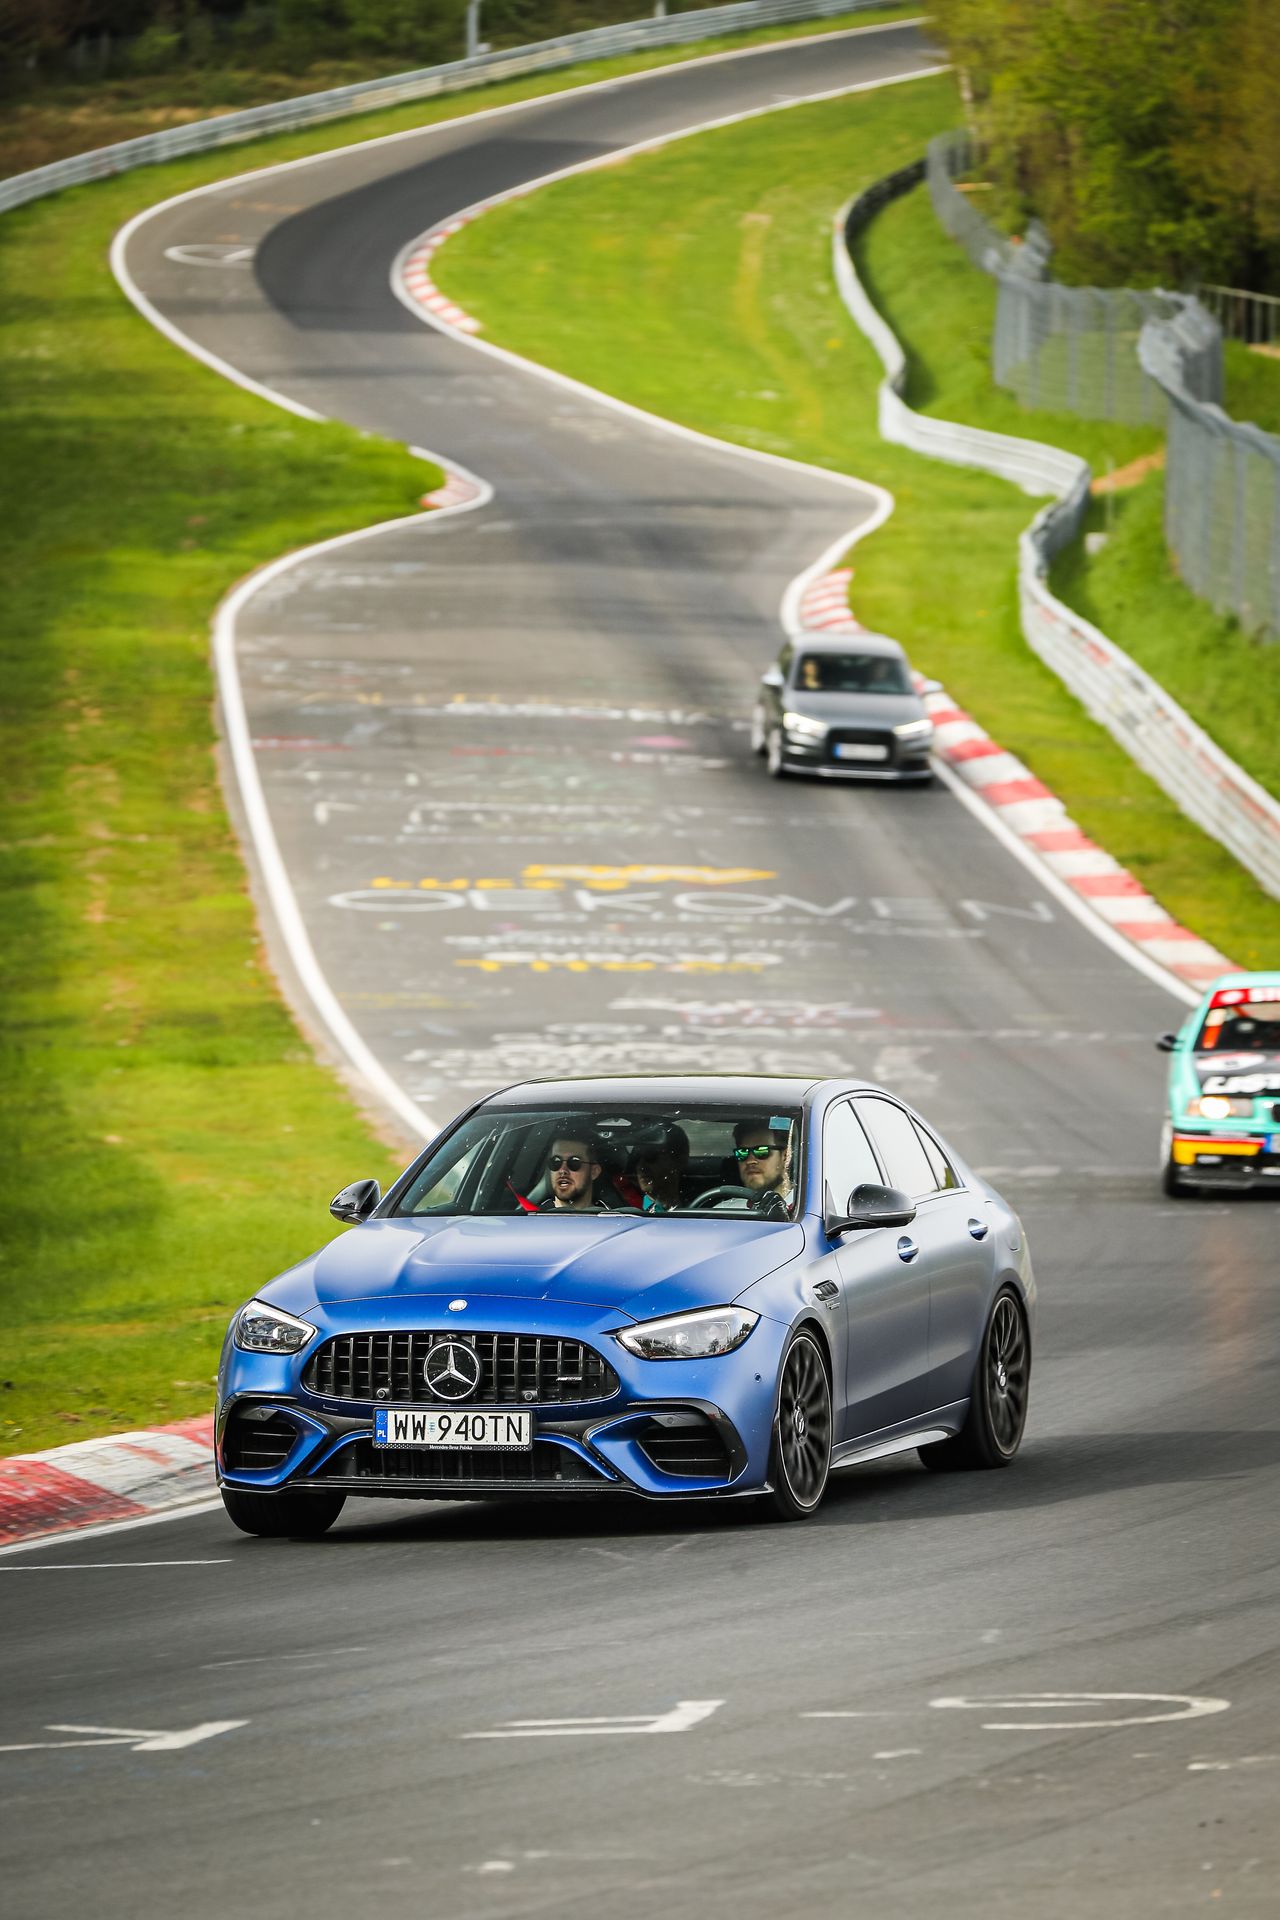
(700, 1287)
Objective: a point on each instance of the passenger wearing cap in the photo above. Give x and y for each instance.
(762, 1152)
(659, 1168)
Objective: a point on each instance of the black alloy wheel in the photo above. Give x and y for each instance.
(800, 1459)
(283, 1516)
(992, 1432)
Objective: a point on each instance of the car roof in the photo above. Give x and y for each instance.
(849, 643)
(746, 1090)
(1268, 978)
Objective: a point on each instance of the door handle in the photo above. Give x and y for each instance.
(979, 1229)
(907, 1248)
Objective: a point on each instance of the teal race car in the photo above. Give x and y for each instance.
(1223, 1124)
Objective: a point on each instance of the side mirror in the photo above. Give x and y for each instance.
(772, 679)
(1166, 1043)
(356, 1202)
(871, 1205)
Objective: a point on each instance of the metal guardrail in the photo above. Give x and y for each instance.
(1146, 721)
(596, 43)
(1251, 317)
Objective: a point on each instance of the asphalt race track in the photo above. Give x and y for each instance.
(1036, 1692)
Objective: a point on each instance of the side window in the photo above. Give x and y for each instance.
(945, 1177)
(847, 1159)
(900, 1148)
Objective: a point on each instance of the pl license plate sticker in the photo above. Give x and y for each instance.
(855, 751)
(501, 1429)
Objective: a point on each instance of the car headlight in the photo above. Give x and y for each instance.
(915, 732)
(806, 728)
(1220, 1106)
(689, 1336)
(263, 1329)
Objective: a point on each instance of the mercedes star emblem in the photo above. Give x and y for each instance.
(452, 1370)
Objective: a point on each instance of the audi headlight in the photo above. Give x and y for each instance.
(1220, 1106)
(689, 1336)
(806, 728)
(264, 1329)
(915, 732)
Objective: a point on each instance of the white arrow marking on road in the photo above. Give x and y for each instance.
(209, 253)
(685, 1714)
(141, 1739)
(1186, 1706)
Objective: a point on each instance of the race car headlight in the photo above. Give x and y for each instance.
(264, 1329)
(915, 732)
(807, 729)
(689, 1336)
(1220, 1106)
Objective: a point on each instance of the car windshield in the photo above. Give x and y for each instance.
(852, 673)
(646, 1159)
(1253, 1027)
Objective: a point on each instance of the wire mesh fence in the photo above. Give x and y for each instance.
(1251, 317)
(1222, 487)
(1139, 356)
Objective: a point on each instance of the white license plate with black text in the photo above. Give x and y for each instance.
(502, 1428)
(856, 750)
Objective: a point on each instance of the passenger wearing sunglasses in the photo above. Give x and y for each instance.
(573, 1169)
(762, 1155)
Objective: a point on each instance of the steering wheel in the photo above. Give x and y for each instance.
(720, 1193)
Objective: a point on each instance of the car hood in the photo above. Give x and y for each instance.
(1239, 1073)
(637, 1267)
(856, 709)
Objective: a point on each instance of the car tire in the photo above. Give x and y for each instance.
(800, 1456)
(997, 1417)
(283, 1516)
(1172, 1183)
(775, 763)
(759, 731)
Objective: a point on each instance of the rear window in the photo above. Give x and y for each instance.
(852, 673)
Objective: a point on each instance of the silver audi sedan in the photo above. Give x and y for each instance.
(843, 706)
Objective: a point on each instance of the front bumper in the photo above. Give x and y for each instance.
(819, 757)
(673, 1429)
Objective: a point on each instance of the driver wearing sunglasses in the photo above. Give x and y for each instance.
(572, 1169)
(762, 1156)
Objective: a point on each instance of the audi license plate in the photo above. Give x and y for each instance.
(509, 1431)
(855, 750)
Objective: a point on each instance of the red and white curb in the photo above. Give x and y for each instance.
(127, 1476)
(415, 277)
(1036, 816)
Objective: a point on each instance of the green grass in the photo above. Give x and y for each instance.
(1252, 386)
(696, 282)
(168, 1138)
(167, 1135)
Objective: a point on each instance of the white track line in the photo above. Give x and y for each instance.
(790, 612)
(257, 814)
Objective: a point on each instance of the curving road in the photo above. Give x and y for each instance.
(535, 708)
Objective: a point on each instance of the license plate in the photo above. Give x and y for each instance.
(1273, 1143)
(509, 1431)
(856, 751)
